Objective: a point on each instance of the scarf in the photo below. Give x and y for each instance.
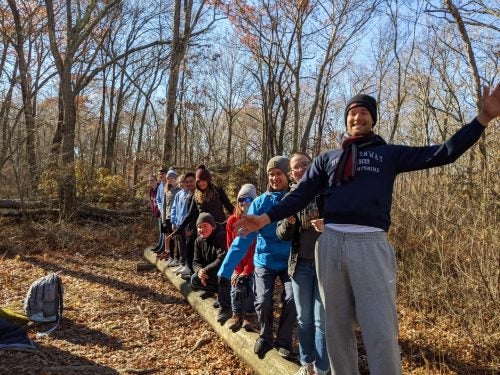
(348, 161)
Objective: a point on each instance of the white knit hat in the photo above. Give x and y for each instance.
(172, 173)
(247, 190)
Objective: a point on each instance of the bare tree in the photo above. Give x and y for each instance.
(186, 19)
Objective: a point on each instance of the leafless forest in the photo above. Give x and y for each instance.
(96, 95)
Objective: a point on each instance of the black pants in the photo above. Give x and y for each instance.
(180, 243)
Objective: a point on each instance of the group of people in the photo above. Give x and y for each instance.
(321, 228)
(196, 237)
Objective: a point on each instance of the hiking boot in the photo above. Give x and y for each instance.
(206, 294)
(223, 315)
(248, 322)
(235, 322)
(261, 347)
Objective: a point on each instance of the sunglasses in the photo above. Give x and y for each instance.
(245, 199)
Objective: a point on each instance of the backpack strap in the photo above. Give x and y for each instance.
(59, 313)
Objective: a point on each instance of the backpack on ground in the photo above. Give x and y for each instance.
(44, 301)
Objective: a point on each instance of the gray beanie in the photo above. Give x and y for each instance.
(247, 190)
(172, 173)
(279, 162)
(205, 217)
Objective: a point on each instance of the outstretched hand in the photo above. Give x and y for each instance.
(250, 223)
(490, 105)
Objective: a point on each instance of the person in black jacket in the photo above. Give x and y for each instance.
(209, 251)
(208, 198)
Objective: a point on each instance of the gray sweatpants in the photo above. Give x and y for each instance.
(357, 283)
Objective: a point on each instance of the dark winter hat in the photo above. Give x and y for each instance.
(202, 173)
(163, 170)
(205, 217)
(362, 100)
(279, 162)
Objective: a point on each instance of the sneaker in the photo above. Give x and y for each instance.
(182, 270)
(307, 369)
(235, 322)
(223, 315)
(173, 263)
(284, 352)
(261, 347)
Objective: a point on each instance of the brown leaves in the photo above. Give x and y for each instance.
(115, 319)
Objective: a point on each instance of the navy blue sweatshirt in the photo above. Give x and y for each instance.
(367, 199)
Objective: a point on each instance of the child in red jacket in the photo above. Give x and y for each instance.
(242, 296)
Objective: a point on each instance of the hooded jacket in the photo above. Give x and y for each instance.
(270, 252)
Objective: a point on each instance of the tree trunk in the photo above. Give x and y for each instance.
(26, 92)
(68, 179)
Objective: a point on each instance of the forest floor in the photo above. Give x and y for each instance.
(119, 321)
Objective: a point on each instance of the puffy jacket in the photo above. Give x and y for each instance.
(209, 252)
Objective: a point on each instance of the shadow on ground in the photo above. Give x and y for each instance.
(137, 290)
(49, 360)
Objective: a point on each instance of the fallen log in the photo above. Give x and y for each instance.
(241, 342)
(11, 208)
(17, 204)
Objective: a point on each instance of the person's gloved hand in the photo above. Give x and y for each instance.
(242, 289)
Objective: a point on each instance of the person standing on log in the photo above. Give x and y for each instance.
(271, 262)
(153, 188)
(300, 229)
(356, 265)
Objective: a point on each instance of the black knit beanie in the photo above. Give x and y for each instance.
(205, 217)
(362, 100)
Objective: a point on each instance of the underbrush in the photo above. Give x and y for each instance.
(447, 244)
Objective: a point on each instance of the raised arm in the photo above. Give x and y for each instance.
(490, 105)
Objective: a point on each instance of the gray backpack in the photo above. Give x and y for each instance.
(44, 301)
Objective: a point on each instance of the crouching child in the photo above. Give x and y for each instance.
(209, 251)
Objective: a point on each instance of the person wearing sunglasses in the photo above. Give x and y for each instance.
(242, 297)
(301, 230)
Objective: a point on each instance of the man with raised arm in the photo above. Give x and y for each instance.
(356, 264)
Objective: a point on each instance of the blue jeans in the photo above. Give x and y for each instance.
(247, 306)
(310, 316)
(264, 287)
